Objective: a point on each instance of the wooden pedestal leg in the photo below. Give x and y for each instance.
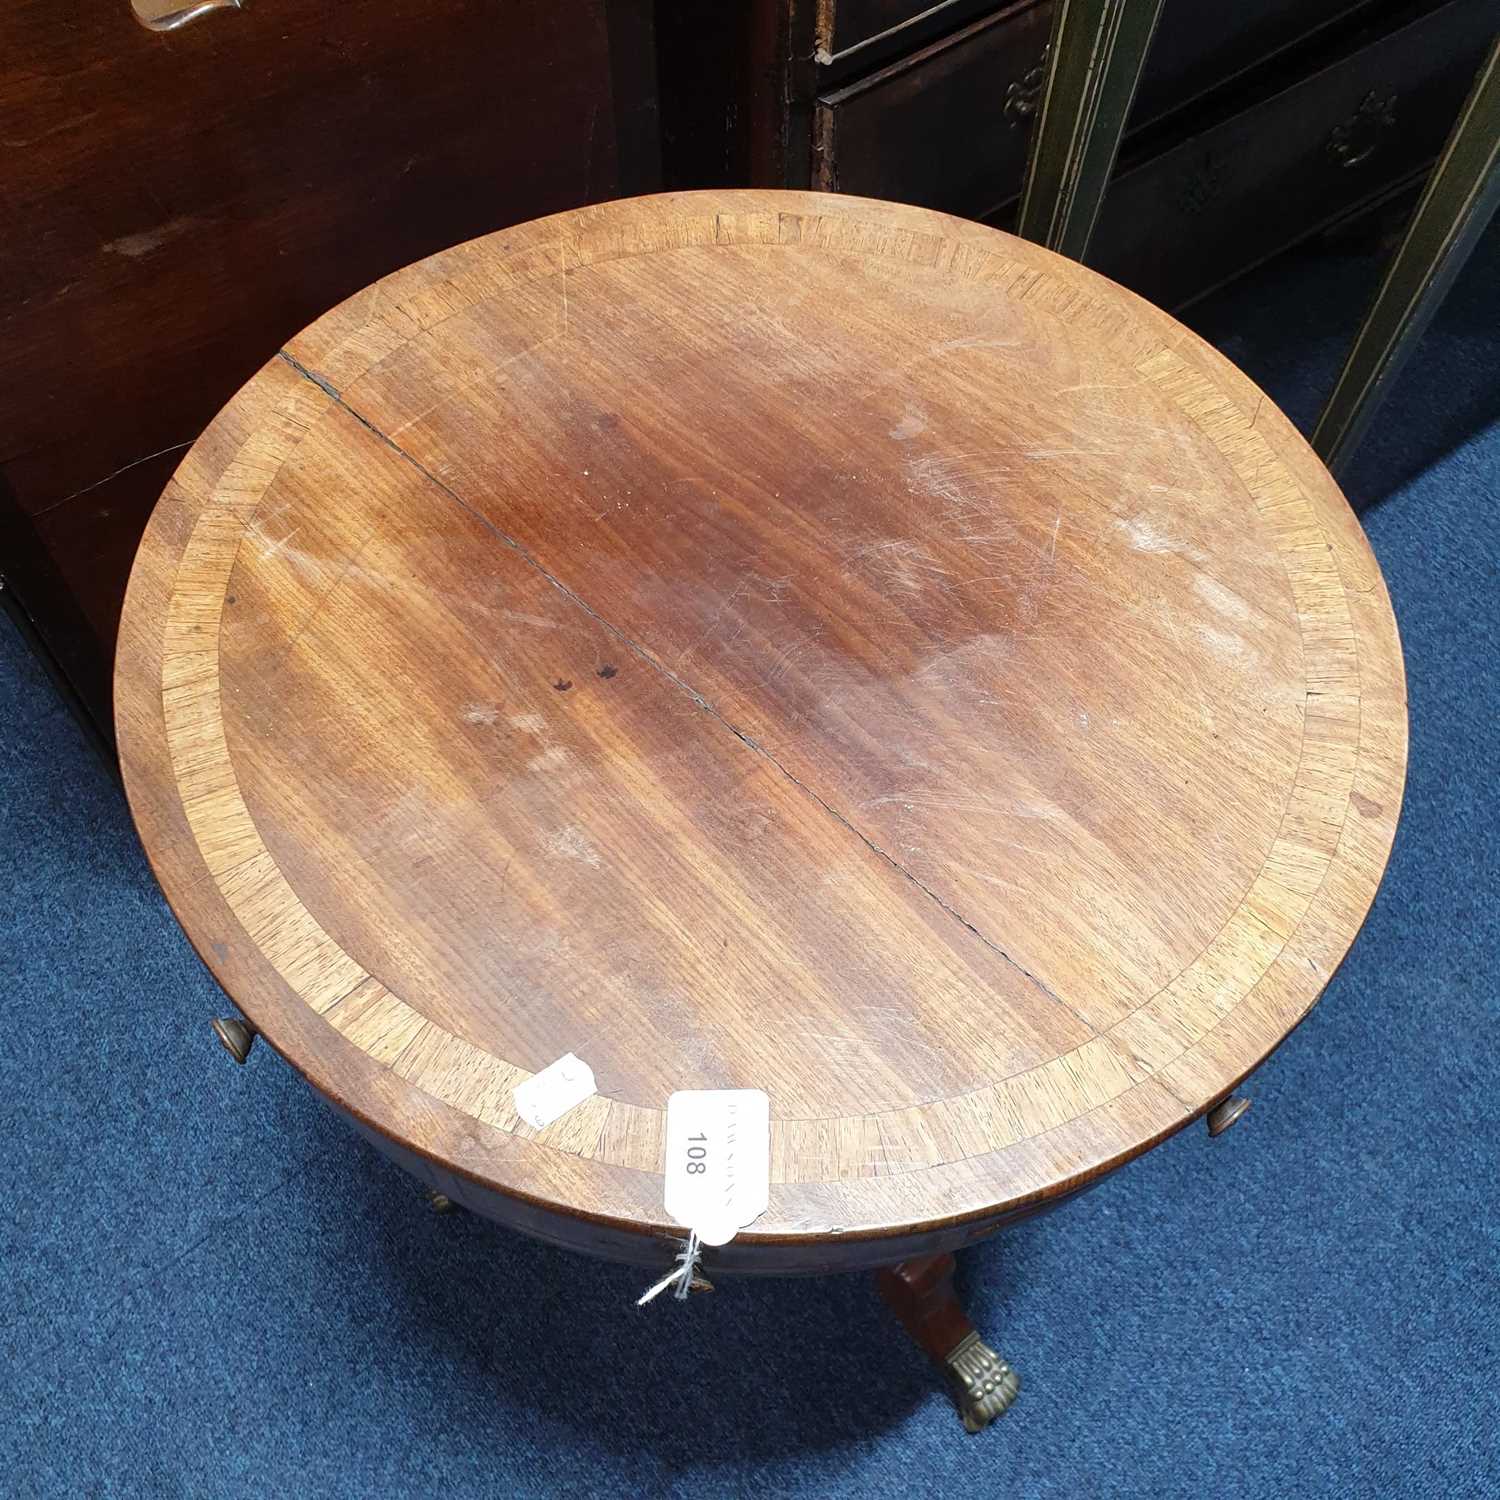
(922, 1296)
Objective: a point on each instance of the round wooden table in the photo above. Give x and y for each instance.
(771, 641)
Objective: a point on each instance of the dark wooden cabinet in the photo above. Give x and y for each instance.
(176, 203)
(1255, 124)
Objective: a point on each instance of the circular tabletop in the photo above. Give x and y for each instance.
(763, 640)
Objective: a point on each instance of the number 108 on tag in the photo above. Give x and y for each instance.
(718, 1176)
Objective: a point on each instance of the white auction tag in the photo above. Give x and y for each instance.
(550, 1094)
(718, 1160)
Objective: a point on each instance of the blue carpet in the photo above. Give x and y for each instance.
(212, 1288)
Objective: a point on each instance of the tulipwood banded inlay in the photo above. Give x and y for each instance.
(763, 640)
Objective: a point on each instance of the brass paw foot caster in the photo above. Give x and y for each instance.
(236, 1035)
(440, 1203)
(983, 1385)
(921, 1294)
(1225, 1113)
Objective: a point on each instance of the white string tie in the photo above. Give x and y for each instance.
(682, 1274)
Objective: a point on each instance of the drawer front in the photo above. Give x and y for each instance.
(1246, 29)
(1182, 222)
(847, 27)
(949, 126)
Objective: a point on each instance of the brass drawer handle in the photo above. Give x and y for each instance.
(236, 1036)
(1225, 1113)
(165, 15)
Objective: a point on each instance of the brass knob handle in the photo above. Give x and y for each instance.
(172, 15)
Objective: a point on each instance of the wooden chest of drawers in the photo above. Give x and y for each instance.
(1255, 124)
(1187, 216)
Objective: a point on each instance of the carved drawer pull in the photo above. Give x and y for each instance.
(1361, 135)
(169, 15)
(1023, 96)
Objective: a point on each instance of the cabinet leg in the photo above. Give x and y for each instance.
(921, 1294)
(1460, 196)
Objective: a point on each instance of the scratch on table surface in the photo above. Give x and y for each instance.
(929, 799)
(1143, 535)
(991, 549)
(775, 589)
(899, 563)
(789, 653)
(1228, 647)
(269, 549)
(739, 588)
(1213, 593)
(988, 877)
(351, 563)
(912, 424)
(1191, 502)
(943, 476)
(1189, 669)
(1071, 453)
(488, 372)
(572, 843)
(551, 760)
(934, 351)
(540, 622)
(973, 341)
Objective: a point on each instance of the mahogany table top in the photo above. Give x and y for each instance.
(763, 640)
